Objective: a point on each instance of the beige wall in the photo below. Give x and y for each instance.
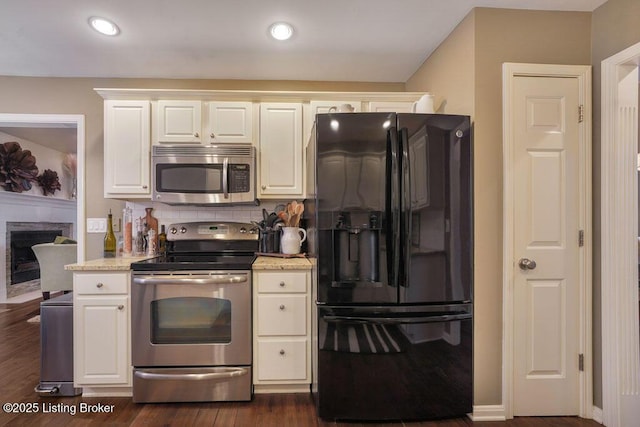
(614, 28)
(76, 96)
(498, 36)
(449, 73)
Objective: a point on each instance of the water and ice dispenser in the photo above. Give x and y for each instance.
(356, 238)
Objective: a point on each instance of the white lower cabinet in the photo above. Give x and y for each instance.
(282, 331)
(101, 339)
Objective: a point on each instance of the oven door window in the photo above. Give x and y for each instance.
(191, 320)
(189, 178)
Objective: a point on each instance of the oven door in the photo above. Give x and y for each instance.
(196, 319)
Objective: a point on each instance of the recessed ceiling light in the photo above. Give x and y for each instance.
(281, 31)
(104, 26)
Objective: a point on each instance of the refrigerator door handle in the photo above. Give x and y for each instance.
(398, 320)
(405, 208)
(393, 209)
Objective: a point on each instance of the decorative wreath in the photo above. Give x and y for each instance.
(49, 182)
(17, 167)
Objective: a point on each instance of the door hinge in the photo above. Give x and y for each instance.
(581, 238)
(580, 113)
(581, 362)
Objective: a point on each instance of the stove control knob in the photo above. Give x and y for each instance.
(183, 230)
(173, 230)
(243, 230)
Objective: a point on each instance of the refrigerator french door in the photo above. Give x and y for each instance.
(391, 228)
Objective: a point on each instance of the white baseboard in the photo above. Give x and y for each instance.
(596, 413)
(488, 413)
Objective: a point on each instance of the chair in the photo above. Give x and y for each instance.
(52, 258)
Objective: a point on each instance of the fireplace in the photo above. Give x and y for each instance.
(22, 269)
(24, 265)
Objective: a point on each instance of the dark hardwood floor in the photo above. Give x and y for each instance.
(20, 370)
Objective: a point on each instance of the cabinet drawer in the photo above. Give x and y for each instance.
(282, 281)
(282, 360)
(100, 283)
(282, 315)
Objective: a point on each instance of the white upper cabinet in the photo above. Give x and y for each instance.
(281, 150)
(178, 122)
(127, 143)
(230, 122)
(390, 107)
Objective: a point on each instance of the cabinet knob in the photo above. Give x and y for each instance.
(281, 352)
(145, 187)
(213, 135)
(281, 306)
(282, 284)
(197, 135)
(121, 307)
(264, 187)
(99, 285)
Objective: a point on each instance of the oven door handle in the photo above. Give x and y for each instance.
(226, 373)
(191, 280)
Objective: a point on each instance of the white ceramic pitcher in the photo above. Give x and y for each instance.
(423, 105)
(291, 240)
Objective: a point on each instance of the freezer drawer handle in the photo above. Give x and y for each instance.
(228, 373)
(399, 320)
(190, 280)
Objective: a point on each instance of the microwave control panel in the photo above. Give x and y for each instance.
(239, 178)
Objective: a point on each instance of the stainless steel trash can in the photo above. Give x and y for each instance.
(56, 347)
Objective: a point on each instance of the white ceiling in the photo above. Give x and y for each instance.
(335, 40)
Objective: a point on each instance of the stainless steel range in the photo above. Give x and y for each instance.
(191, 316)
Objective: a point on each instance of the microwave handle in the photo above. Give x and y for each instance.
(225, 177)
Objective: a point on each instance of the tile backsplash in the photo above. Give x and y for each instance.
(172, 214)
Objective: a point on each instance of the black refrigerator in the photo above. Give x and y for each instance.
(390, 221)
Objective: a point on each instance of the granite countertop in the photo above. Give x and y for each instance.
(124, 263)
(113, 264)
(275, 263)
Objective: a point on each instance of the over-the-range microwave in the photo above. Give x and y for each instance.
(204, 175)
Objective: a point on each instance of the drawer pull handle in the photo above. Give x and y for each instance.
(282, 352)
(281, 306)
(121, 307)
(99, 285)
(282, 284)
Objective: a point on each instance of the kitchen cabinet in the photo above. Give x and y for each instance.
(280, 151)
(198, 122)
(390, 107)
(127, 156)
(178, 122)
(101, 338)
(282, 331)
(230, 122)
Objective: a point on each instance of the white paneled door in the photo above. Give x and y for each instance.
(546, 239)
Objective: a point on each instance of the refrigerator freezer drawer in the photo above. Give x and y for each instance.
(373, 369)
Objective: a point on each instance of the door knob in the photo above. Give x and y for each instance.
(526, 264)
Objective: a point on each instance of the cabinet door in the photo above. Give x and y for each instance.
(101, 340)
(230, 122)
(178, 122)
(282, 315)
(281, 150)
(127, 126)
(282, 360)
(390, 107)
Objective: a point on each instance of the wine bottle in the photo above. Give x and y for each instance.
(110, 239)
(162, 241)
